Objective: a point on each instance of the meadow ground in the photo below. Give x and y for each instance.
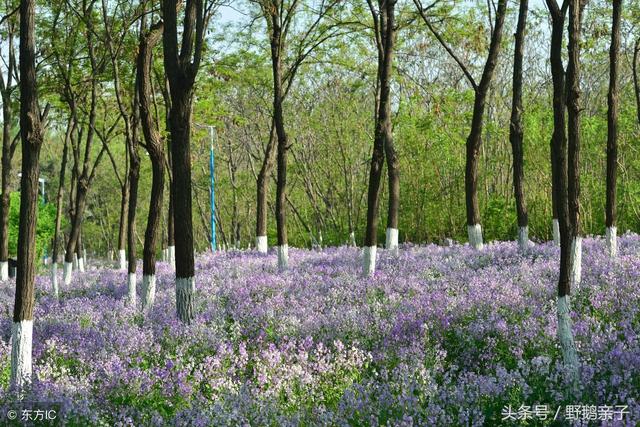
(439, 336)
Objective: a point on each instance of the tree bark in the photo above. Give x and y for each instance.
(567, 196)
(573, 125)
(282, 143)
(76, 219)
(636, 78)
(171, 244)
(59, 197)
(32, 139)
(262, 186)
(559, 136)
(181, 66)
(122, 227)
(474, 140)
(134, 177)
(516, 131)
(156, 154)
(389, 37)
(612, 127)
(8, 148)
(559, 144)
(6, 176)
(384, 27)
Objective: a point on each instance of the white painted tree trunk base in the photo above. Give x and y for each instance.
(131, 286)
(369, 260)
(391, 242)
(352, 239)
(556, 231)
(576, 254)
(523, 239)
(67, 272)
(475, 236)
(122, 256)
(612, 241)
(185, 288)
(148, 291)
(565, 337)
(81, 265)
(21, 345)
(262, 245)
(172, 256)
(54, 280)
(4, 271)
(283, 257)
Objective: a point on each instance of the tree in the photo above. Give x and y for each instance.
(134, 178)
(612, 129)
(163, 82)
(154, 146)
(8, 83)
(481, 89)
(289, 50)
(573, 135)
(559, 137)
(116, 31)
(32, 139)
(566, 186)
(516, 132)
(385, 35)
(58, 223)
(181, 63)
(636, 79)
(278, 23)
(69, 61)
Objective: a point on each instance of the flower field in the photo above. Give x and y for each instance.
(439, 336)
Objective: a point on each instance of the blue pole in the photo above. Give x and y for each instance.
(212, 192)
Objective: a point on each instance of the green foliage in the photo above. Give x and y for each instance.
(45, 228)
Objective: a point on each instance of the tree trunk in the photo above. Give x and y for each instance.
(516, 131)
(559, 137)
(391, 241)
(181, 66)
(32, 138)
(8, 147)
(612, 129)
(283, 147)
(636, 78)
(181, 188)
(573, 126)
(385, 38)
(262, 186)
(79, 255)
(171, 243)
(122, 228)
(134, 175)
(59, 197)
(156, 154)
(474, 140)
(566, 156)
(76, 224)
(5, 202)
